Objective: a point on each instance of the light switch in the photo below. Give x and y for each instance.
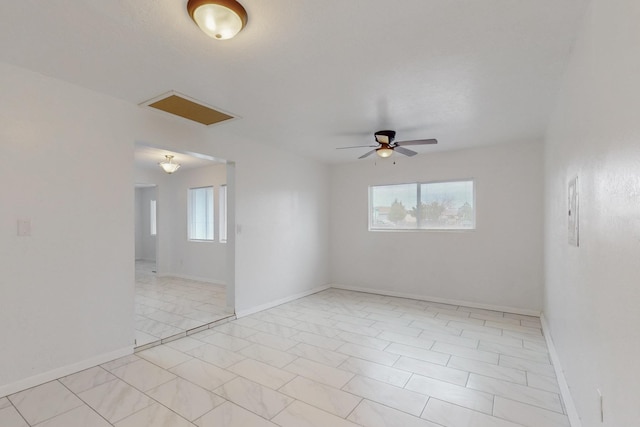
(24, 227)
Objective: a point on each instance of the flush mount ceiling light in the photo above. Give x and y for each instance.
(168, 166)
(219, 19)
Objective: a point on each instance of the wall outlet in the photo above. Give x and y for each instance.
(600, 403)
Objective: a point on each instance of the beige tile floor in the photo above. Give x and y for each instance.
(336, 358)
(169, 306)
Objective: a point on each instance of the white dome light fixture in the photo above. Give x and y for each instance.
(219, 19)
(384, 151)
(168, 166)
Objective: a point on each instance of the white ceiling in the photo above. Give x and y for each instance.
(311, 75)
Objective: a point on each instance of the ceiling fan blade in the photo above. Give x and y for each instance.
(404, 151)
(367, 154)
(416, 142)
(356, 146)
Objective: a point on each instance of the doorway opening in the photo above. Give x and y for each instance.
(185, 257)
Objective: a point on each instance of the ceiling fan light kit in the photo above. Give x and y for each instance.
(384, 152)
(219, 19)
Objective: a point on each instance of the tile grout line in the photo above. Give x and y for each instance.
(17, 410)
(83, 402)
(359, 305)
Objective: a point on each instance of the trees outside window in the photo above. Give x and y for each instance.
(423, 206)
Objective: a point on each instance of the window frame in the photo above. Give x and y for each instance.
(222, 213)
(418, 185)
(153, 217)
(190, 218)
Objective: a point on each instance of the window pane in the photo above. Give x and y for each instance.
(223, 213)
(391, 206)
(435, 205)
(201, 213)
(152, 217)
(447, 205)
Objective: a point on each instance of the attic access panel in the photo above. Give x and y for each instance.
(188, 108)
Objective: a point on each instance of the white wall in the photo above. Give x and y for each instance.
(145, 242)
(204, 261)
(282, 211)
(592, 293)
(66, 292)
(498, 264)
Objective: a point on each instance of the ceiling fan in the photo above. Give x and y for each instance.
(386, 145)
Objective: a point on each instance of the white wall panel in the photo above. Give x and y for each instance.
(592, 292)
(498, 264)
(66, 292)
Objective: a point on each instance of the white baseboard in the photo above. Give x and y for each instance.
(505, 309)
(243, 313)
(45, 377)
(572, 413)
(196, 278)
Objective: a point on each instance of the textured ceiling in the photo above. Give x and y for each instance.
(311, 76)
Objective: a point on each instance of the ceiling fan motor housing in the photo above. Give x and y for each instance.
(385, 136)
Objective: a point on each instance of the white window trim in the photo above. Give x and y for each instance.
(222, 213)
(153, 218)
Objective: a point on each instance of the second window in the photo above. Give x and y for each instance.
(200, 226)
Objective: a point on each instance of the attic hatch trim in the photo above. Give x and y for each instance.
(187, 108)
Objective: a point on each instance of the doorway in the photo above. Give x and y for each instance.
(145, 227)
(184, 255)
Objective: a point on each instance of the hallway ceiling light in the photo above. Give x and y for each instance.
(219, 19)
(168, 166)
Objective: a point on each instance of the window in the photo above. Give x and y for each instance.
(423, 206)
(222, 214)
(152, 217)
(200, 213)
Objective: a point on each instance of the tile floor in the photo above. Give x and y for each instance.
(336, 358)
(169, 306)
